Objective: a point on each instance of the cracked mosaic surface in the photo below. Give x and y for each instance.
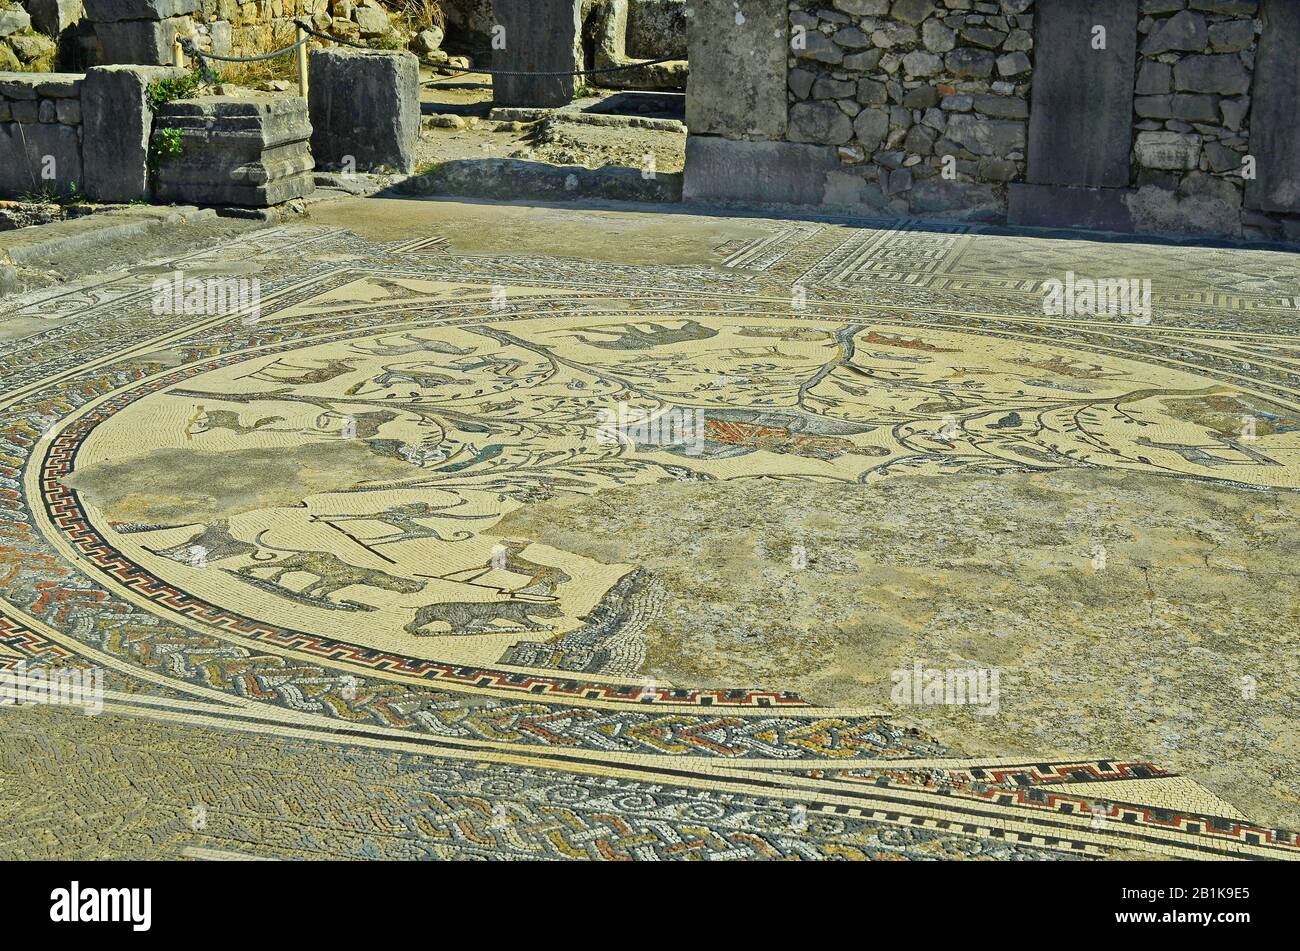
(381, 531)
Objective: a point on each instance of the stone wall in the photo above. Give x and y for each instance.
(908, 90)
(77, 134)
(1192, 117)
(144, 31)
(40, 133)
(927, 108)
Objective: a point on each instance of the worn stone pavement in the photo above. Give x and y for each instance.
(543, 643)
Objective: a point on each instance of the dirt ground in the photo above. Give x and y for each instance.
(457, 125)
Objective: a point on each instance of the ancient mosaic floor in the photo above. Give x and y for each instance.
(368, 576)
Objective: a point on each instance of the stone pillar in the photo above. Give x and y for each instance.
(1274, 129)
(737, 51)
(1081, 117)
(541, 36)
(737, 108)
(116, 122)
(365, 109)
(1081, 120)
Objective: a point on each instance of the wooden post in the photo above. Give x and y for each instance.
(178, 54)
(302, 63)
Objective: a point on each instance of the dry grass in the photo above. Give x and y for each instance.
(251, 74)
(422, 14)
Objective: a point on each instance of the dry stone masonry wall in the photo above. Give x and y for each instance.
(40, 133)
(1192, 116)
(908, 89)
(73, 134)
(1155, 116)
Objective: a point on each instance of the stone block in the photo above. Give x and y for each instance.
(365, 109)
(18, 85)
(870, 126)
(1013, 64)
(992, 137)
(1274, 129)
(1081, 121)
(912, 11)
(801, 82)
(25, 111)
(1173, 151)
(252, 151)
(427, 42)
(1001, 107)
(39, 156)
(820, 123)
(1184, 31)
(1154, 78)
(14, 20)
(939, 198)
(1220, 73)
(1232, 36)
(1059, 206)
(371, 21)
(113, 11)
(52, 17)
(30, 47)
(68, 111)
(1221, 158)
(656, 29)
(59, 85)
(1195, 108)
(738, 51)
(116, 123)
(728, 170)
(1201, 205)
(970, 63)
(541, 36)
(222, 34)
(141, 42)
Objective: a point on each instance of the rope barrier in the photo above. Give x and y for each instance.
(570, 72)
(333, 39)
(187, 44)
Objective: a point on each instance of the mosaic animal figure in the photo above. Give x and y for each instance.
(542, 579)
(332, 573)
(411, 375)
(477, 617)
(497, 366)
(413, 344)
(215, 541)
(278, 371)
(364, 425)
(634, 338)
(404, 520)
(209, 420)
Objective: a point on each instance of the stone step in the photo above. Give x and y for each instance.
(250, 151)
(518, 179)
